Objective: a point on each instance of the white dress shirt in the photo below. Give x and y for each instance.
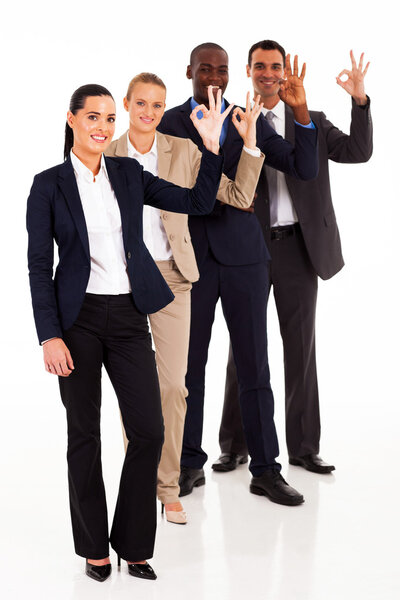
(282, 211)
(154, 234)
(108, 274)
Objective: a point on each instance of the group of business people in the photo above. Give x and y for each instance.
(127, 250)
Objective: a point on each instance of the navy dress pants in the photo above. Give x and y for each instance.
(110, 331)
(243, 291)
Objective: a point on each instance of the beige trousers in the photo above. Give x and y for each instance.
(170, 328)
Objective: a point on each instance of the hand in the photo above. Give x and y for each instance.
(291, 89)
(354, 84)
(246, 127)
(57, 358)
(249, 209)
(209, 127)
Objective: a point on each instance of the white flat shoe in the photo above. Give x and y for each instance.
(175, 516)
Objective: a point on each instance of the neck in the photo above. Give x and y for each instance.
(142, 142)
(90, 160)
(270, 101)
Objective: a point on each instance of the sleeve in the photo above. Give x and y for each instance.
(39, 222)
(300, 160)
(198, 200)
(356, 147)
(240, 193)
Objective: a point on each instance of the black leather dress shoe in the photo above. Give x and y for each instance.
(312, 462)
(98, 572)
(272, 485)
(190, 478)
(143, 571)
(228, 461)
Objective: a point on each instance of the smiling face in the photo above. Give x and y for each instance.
(145, 106)
(93, 125)
(209, 67)
(266, 70)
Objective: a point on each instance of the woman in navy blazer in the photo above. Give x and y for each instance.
(83, 322)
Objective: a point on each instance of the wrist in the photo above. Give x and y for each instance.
(250, 143)
(360, 100)
(212, 146)
(301, 114)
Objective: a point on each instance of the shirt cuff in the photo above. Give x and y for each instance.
(309, 126)
(256, 152)
(44, 341)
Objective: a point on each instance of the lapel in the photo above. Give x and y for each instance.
(119, 185)
(69, 188)
(121, 148)
(164, 155)
(289, 125)
(191, 130)
(231, 133)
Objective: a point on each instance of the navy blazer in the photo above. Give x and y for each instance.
(55, 213)
(235, 237)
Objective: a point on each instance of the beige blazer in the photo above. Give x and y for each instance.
(179, 162)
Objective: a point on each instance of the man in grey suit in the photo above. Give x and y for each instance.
(300, 230)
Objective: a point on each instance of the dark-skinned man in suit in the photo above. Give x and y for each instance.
(300, 230)
(233, 263)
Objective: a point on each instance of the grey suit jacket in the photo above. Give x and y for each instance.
(312, 199)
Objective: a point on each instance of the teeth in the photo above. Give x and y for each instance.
(98, 137)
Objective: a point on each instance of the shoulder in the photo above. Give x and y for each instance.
(111, 148)
(48, 178)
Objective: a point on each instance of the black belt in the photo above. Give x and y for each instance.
(280, 233)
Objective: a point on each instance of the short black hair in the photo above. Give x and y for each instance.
(205, 46)
(266, 45)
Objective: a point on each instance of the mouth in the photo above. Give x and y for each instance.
(146, 120)
(99, 139)
(270, 82)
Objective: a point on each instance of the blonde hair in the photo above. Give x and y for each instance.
(144, 78)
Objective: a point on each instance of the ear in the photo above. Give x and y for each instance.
(248, 71)
(189, 72)
(70, 119)
(126, 104)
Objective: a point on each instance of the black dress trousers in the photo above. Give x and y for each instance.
(243, 291)
(111, 331)
(295, 287)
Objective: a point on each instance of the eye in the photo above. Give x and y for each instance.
(157, 106)
(111, 119)
(204, 69)
(92, 117)
(140, 103)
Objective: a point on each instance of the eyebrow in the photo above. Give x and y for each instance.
(275, 64)
(93, 112)
(209, 65)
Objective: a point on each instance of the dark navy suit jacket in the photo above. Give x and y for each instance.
(235, 237)
(55, 213)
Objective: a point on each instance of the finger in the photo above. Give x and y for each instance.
(344, 72)
(248, 109)
(219, 101)
(360, 64)
(288, 66)
(340, 82)
(69, 360)
(235, 121)
(211, 100)
(296, 65)
(303, 71)
(64, 369)
(200, 107)
(353, 60)
(227, 110)
(238, 111)
(256, 104)
(366, 69)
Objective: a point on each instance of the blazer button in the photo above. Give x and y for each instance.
(129, 255)
(165, 217)
(172, 237)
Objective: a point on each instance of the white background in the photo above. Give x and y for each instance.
(342, 543)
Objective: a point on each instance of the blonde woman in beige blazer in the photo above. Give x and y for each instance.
(167, 237)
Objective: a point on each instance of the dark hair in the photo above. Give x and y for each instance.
(205, 46)
(266, 45)
(77, 102)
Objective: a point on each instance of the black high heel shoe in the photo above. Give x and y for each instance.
(98, 572)
(138, 570)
